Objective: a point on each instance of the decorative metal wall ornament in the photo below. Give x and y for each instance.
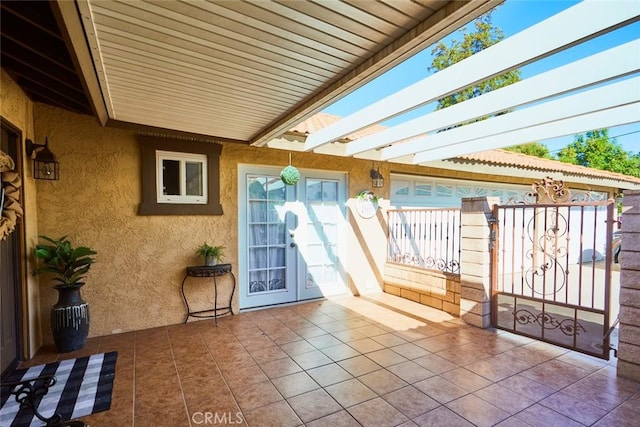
(290, 175)
(548, 191)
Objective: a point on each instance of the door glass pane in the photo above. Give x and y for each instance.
(276, 279)
(314, 190)
(257, 281)
(194, 179)
(170, 177)
(329, 191)
(267, 234)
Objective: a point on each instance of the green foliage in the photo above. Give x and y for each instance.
(206, 250)
(485, 35)
(532, 149)
(68, 265)
(596, 150)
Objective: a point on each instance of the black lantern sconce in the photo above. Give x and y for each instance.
(45, 165)
(377, 180)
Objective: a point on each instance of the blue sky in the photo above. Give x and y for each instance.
(512, 17)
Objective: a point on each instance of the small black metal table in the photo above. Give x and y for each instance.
(212, 271)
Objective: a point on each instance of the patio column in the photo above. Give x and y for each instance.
(629, 334)
(475, 261)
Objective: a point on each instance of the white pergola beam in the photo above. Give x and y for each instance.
(597, 120)
(506, 55)
(621, 60)
(608, 96)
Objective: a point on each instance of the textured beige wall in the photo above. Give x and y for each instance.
(17, 109)
(135, 283)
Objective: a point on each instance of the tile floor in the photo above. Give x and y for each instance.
(370, 361)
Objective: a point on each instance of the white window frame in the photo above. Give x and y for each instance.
(183, 158)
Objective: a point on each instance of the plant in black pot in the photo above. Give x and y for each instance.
(211, 254)
(68, 267)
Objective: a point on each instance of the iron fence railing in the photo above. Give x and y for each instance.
(426, 238)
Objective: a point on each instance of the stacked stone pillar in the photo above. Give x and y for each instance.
(629, 347)
(475, 260)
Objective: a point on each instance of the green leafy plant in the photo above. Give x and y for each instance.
(67, 264)
(206, 250)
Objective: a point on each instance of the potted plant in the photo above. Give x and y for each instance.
(211, 254)
(68, 267)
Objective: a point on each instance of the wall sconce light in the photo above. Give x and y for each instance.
(45, 165)
(377, 180)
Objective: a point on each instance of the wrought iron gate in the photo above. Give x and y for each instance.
(551, 269)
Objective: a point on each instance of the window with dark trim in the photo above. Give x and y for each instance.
(182, 159)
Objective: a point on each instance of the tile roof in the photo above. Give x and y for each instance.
(496, 157)
(500, 157)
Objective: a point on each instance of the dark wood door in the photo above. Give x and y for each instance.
(10, 328)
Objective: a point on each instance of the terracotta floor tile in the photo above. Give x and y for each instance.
(619, 417)
(350, 392)
(310, 331)
(527, 387)
(323, 341)
(386, 357)
(512, 422)
(555, 374)
(497, 368)
(366, 345)
(410, 371)
(256, 395)
(440, 389)
(442, 417)
(538, 415)
(389, 340)
(411, 401)
(382, 381)
(435, 363)
(339, 419)
(313, 405)
(410, 351)
(359, 365)
(311, 359)
(280, 367)
(348, 335)
(477, 411)
(277, 414)
(295, 384)
(334, 326)
(377, 413)
(371, 331)
(340, 352)
(410, 335)
(297, 347)
(267, 354)
(574, 408)
(329, 374)
(504, 398)
(594, 395)
(466, 379)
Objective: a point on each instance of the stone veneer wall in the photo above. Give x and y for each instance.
(629, 347)
(428, 287)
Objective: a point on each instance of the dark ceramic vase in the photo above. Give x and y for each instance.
(70, 319)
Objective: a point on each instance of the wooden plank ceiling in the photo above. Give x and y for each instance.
(248, 70)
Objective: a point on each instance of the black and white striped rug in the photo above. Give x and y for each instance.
(83, 386)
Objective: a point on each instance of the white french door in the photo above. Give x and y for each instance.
(289, 236)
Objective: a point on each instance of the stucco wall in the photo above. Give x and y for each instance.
(17, 109)
(135, 282)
